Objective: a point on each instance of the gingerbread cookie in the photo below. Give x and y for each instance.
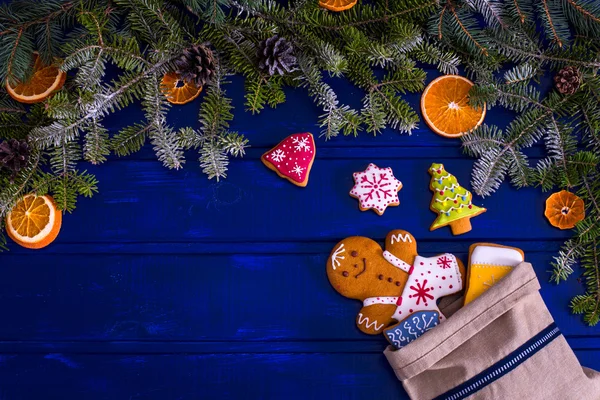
(412, 328)
(292, 158)
(392, 284)
(376, 188)
(488, 263)
(357, 269)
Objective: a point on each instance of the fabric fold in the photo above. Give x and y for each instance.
(491, 334)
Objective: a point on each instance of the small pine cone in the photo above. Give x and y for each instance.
(14, 155)
(567, 80)
(276, 54)
(196, 65)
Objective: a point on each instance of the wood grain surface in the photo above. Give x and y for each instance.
(166, 285)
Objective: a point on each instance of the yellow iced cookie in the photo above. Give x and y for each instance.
(488, 263)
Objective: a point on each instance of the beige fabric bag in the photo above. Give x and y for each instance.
(503, 345)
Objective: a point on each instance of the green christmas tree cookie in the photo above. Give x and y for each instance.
(451, 201)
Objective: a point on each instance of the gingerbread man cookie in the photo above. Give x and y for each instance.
(392, 284)
(357, 269)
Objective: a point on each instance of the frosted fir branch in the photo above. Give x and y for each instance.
(491, 11)
(214, 161)
(519, 74)
(488, 172)
(524, 54)
(162, 137)
(562, 266)
(385, 18)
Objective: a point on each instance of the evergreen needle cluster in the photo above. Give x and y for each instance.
(507, 47)
(116, 51)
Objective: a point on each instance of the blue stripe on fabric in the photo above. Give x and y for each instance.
(504, 366)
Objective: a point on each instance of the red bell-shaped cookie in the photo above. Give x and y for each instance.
(292, 158)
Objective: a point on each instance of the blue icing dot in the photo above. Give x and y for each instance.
(452, 190)
(464, 198)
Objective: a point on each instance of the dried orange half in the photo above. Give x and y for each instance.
(177, 90)
(34, 222)
(337, 5)
(445, 106)
(44, 80)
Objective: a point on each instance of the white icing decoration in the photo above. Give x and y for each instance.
(452, 198)
(399, 237)
(367, 323)
(431, 279)
(278, 155)
(369, 301)
(496, 256)
(442, 177)
(453, 186)
(410, 330)
(428, 323)
(298, 169)
(301, 144)
(335, 257)
(395, 261)
(376, 188)
(455, 208)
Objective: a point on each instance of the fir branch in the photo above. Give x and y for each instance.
(551, 23)
(519, 12)
(468, 33)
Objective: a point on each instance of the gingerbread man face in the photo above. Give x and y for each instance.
(357, 269)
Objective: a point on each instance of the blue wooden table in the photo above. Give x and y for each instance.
(169, 286)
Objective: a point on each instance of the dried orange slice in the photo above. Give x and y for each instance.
(44, 80)
(34, 222)
(177, 90)
(445, 106)
(564, 209)
(337, 5)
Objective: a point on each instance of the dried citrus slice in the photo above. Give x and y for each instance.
(44, 80)
(337, 5)
(177, 90)
(34, 222)
(445, 106)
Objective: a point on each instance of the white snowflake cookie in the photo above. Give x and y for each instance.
(376, 188)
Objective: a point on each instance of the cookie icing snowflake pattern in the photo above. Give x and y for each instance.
(420, 291)
(301, 143)
(292, 158)
(376, 188)
(278, 155)
(444, 262)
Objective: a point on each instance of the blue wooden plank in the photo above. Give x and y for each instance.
(145, 377)
(236, 297)
(349, 346)
(318, 247)
(220, 376)
(148, 203)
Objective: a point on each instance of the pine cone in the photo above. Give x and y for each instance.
(275, 54)
(196, 65)
(567, 80)
(14, 155)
